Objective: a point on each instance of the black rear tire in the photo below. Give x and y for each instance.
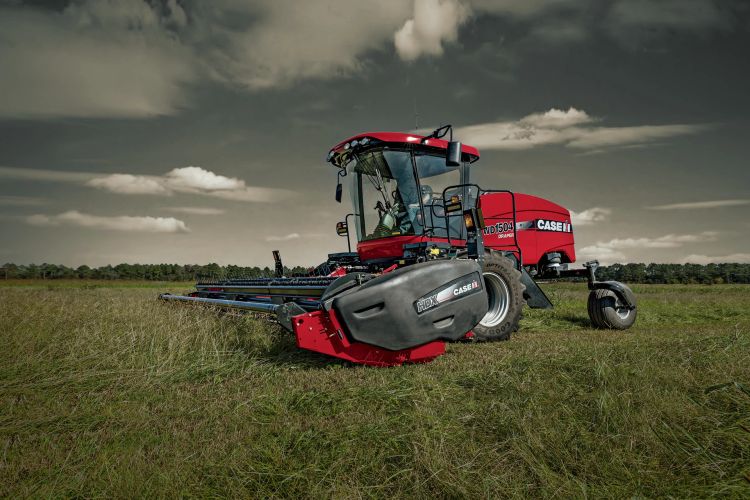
(607, 311)
(505, 295)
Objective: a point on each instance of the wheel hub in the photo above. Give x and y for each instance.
(498, 298)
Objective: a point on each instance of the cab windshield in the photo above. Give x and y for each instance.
(389, 201)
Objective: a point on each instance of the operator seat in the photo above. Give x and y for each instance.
(434, 212)
(426, 193)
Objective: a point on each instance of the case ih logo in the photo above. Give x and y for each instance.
(553, 225)
(463, 286)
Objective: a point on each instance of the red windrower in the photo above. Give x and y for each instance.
(437, 259)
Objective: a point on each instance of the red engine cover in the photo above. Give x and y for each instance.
(542, 226)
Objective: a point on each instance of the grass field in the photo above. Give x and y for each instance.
(106, 392)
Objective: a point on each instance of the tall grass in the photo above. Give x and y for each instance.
(105, 391)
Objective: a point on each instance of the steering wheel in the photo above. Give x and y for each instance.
(380, 208)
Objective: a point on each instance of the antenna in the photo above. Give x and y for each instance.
(416, 115)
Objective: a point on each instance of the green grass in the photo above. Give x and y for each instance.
(105, 391)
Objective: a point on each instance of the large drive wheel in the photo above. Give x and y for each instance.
(607, 311)
(505, 296)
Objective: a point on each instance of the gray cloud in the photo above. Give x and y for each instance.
(294, 236)
(602, 137)
(111, 223)
(190, 180)
(93, 59)
(700, 205)
(278, 82)
(612, 251)
(522, 8)
(193, 180)
(33, 174)
(286, 237)
(131, 58)
(134, 59)
(589, 216)
(196, 210)
(271, 43)
(689, 15)
(715, 259)
(21, 201)
(626, 21)
(572, 128)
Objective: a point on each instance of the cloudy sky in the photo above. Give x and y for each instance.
(190, 132)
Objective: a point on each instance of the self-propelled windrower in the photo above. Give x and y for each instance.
(438, 258)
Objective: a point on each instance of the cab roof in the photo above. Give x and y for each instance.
(339, 154)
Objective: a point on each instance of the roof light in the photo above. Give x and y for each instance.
(364, 140)
(346, 146)
(355, 142)
(330, 155)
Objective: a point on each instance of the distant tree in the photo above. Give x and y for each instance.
(628, 273)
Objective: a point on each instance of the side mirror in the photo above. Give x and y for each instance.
(342, 229)
(453, 156)
(339, 191)
(339, 187)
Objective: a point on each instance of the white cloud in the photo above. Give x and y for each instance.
(589, 216)
(666, 241)
(603, 254)
(196, 210)
(611, 251)
(433, 22)
(197, 178)
(271, 43)
(192, 180)
(294, 236)
(114, 223)
(700, 204)
(572, 128)
(615, 136)
(557, 118)
(707, 259)
(287, 237)
(129, 184)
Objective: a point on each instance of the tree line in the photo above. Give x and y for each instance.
(676, 273)
(628, 273)
(147, 272)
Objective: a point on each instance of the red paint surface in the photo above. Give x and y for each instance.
(340, 271)
(498, 208)
(321, 332)
(400, 137)
(389, 269)
(392, 247)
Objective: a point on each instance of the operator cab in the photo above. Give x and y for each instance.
(399, 183)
